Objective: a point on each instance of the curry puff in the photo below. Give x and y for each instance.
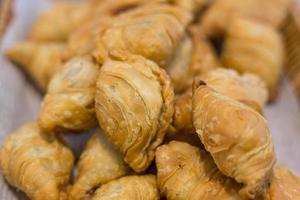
(68, 105)
(257, 48)
(56, 24)
(223, 12)
(99, 163)
(39, 60)
(39, 166)
(247, 89)
(284, 185)
(237, 137)
(184, 172)
(134, 106)
(194, 56)
(153, 32)
(129, 188)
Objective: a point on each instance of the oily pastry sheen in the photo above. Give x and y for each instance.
(129, 188)
(39, 166)
(184, 172)
(134, 106)
(69, 103)
(256, 48)
(98, 164)
(237, 137)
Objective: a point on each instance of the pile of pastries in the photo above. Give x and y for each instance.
(175, 90)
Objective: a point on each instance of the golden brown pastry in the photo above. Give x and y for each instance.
(256, 48)
(222, 12)
(194, 56)
(57, 23)
(134, 106)
(192, 6)
(39, 60)
(99, 163)
(6, 15)
(184, 172)
(291, 35)
(284, 185)
(183, 118)
(180, 14)
(129, 188)
(83, 40)
(237, 137)
(153, 32)
(247, 88)
(69, 102)
(40, 167)
(117, 7)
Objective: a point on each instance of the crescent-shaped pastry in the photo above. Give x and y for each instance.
(256, 48)
(284, 185)
(39, 166)
(39, 60)
(223, 12)
(184, 172)
(134, 106)
(98, 164)
(238, 138)
(153, 32)
(129, 188)
(193, 57)
(69, 103)
(247, 89)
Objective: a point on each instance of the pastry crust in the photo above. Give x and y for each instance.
(82, 41)
(284, 185)
(184, 172)
(134, 106)
(99, 163)
(129, 188)
(237, 137)
(256, 48)
(69, 103)
(223, 12)
(39, 60)
(153, 32)
(247, 89)
(194, 56)
(39, 166)
(192, 6)
(57, 23)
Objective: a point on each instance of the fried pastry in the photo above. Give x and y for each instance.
(284, 185)
(69, 103)
(194, 56)
(256, 48)
(237, 137)
(57, 23)
(222, 12)
(39, 60)
(184, 172)
(117, 7)
(99, 163)
(134, 106)
(41, 167)
(247, 89)
(153, 32)
(192, 6)
(183, 118)
(82, 41)
(129, 188)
